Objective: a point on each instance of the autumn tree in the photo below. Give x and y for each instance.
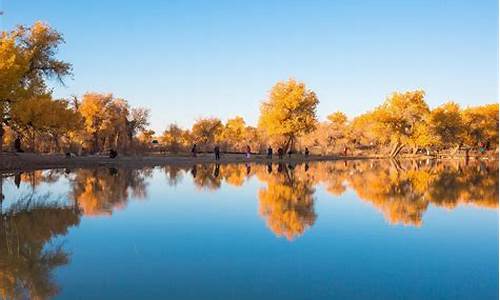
(289, 112)
(396, 119)
(27, 61)
(253, 139)
(445, 125)
(481, 124)
(94, 110)
(175, 139)
(110, 121)
(137, 121)
(233, 133)
(40, 116)
(206, 131)
(146, 137)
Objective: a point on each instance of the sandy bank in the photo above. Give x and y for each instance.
(28, 161)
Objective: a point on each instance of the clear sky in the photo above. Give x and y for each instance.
(187, 59)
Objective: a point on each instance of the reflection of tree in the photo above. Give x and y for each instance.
(235, 174)
(403, 190)
(100, 191)
(174, 174)
(35, 178)
(476, 185)
(206, 177)
(287, 202)
(27, 253)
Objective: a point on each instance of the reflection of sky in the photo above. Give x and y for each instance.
(55, 191)
(182, 242)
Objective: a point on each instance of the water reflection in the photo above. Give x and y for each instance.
(28, 252)
(287, 201)
(100, 191)
(401, 190)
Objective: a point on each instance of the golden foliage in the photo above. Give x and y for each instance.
(289, 112)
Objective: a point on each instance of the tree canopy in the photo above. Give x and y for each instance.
(289, 112)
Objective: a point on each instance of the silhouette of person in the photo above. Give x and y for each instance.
(270, 152)
(217, 152)
(193, 150)
(306, 152)
(113, 153)
(280, 153)
(17, 179)
(17, 144)
(217, 170)
(269, 168)
(194, 171)
(248, 152)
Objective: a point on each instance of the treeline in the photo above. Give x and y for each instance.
(404, 122)
(32, 120)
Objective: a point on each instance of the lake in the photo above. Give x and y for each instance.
(363, 229)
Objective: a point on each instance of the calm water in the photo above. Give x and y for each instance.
(346, 230)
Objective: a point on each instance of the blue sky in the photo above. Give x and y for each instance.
(187, 59)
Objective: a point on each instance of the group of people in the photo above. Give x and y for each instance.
(281, 152)
(194, 151)
(248, 152)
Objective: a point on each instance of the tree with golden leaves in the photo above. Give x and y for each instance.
(94, 110)
(481, 124)
(206, 132)
(27, 60)
(446, 125)
(233, 133)
(42, 115)
(175, 139)
(288, 113)
(397, 118)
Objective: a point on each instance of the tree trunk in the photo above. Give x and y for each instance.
(96, 143)
(397, 166)
(287, 145)
(56, 143)
(396, 149)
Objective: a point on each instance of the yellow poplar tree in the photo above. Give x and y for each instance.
(289, 112)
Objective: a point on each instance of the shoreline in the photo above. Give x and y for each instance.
(16, 162)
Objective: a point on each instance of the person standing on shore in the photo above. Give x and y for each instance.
(247, 154)
(193, 150)
(280, 153)
(269, 152)
(306, 152)
(217, 152)
(17, 144)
